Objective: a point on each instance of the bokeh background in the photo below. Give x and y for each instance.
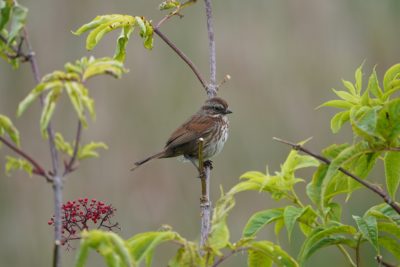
(283, 56)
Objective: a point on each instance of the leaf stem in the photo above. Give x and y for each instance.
(225, 257)
(374, 188)
(347, 255)
(70, 166)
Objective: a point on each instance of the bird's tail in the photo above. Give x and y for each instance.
(141, 162)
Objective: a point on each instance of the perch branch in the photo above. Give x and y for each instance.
(381, 262)
(38, 169)
(376, 189)
(205, 205)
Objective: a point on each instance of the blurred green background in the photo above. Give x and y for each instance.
(283, 56)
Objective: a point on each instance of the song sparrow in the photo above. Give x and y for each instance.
(209, 123)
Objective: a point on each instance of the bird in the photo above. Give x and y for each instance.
(209, 123)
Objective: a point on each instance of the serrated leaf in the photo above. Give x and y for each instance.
(6, 126)
(326, 236)
(274, 252)
(18, 164)
(391, 74)
(260, 219)
(103, 66)
(364, 121)
(392, 172)
(368, 227)
(338, 120)
(385, 212)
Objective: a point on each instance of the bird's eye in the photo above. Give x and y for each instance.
(218, 108)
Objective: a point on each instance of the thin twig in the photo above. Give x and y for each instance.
(38, 169)
(57, 175)
(374, 188)
(182, 56)
(70, 165)
(212, 87)
(225, 257)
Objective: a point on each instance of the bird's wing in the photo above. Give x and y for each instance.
(194, 128)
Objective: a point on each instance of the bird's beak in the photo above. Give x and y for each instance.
(228, 111)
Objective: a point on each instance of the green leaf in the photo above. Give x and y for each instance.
(103, 66)
(346, 96)
(168, 4)
(219, 233)
(350, 87)
(141, 246)
(373, 85)
(18, 19)
(122, 41)
(187, 256)
(5, 11)
(391, 75)
(344, 156)
(337, 104)
(364, 121)
(62, 145)
(392, 172)
(392, 245)
(34, 94)
(338, 120)
(108, 244)
(385, 212)
(307, 220)
(49, 105)
(6, 126)
(290, 216)
(324, 237)
(334, 211)
(390, 228)
(89, 150)
(260, 219)
(18, 164)
(368, 227)
(257, 258)
(358, 79)
(274, 252)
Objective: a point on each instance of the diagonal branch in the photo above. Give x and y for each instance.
(182, 56)
(39, 170)
(374, 188)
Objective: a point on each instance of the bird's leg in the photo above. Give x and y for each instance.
(194, 162)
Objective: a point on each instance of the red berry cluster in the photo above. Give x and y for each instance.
(79, 214)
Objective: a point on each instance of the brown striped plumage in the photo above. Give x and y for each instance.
(209, 123)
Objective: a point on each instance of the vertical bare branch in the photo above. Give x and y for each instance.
(205, 204)
(57, 175)
(212, 86)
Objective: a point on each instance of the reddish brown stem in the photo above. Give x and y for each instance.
(38, 169)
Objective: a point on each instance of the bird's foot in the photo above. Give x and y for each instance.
(209, 164)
